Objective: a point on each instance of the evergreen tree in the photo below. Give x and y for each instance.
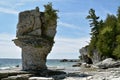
(94, 24)
(105, 35)
(116, 51)
(50, 13)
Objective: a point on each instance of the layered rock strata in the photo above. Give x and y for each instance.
(35, 38)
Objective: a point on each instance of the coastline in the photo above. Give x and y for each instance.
(62, 71)
(13, 63)
(69, 73)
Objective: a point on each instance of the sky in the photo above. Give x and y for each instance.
(72, 26)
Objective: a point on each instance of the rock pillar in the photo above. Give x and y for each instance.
(35, 38)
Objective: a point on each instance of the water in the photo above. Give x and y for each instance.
(56, 63)
(9, 63)
(12, 63)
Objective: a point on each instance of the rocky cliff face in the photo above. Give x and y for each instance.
(86, 58)
(84, 55)
(35, 38)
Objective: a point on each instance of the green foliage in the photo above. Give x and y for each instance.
(94, 22)
(95, 28)
(116, 52)
(50, 14)
(118, 22)
(105, 35)
(91, 47)
(50, 19)
(118, 14)
(118, 39)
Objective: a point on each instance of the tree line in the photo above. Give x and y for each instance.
(105, 34)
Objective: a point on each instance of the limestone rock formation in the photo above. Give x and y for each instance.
(84, 55)
(35, 38)
(95, 58)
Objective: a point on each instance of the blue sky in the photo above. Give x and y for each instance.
(72, 30)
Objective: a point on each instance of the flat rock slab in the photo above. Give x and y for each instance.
(18, 77)
(40, 78)
(11, 72)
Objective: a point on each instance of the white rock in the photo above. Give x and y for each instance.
(108, 63)
(115, 78)
(40, 78)
(89, 77)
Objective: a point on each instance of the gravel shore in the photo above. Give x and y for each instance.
(78, 73)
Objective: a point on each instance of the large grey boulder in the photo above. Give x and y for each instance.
(35, 38)
(108, 63)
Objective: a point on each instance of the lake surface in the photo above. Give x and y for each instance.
(12, 63)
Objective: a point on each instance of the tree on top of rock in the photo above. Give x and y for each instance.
(50, 13)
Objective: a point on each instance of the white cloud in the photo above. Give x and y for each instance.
(68, 47)
(7, 47)
(29, 1)
(19, 4)
(63, 47)
(15, 2)
(11, 6)
(4, 3)
(7, 10)
(68, 25)
(6, 37)
(80, 14)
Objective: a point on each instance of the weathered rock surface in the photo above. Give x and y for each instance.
(108, 63)
(95, 58)
(6, 73)
(77, 65)
(84, 55)
(17, 74)
(35, 38)
(71, 74)
(18, 77)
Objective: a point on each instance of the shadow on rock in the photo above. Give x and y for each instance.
(56, 75)
(78, 75)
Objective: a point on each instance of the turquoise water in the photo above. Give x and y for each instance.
(11, 63)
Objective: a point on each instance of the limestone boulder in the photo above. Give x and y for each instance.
(40, 78)
(108, 63)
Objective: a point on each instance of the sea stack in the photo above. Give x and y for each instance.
(35, 36)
